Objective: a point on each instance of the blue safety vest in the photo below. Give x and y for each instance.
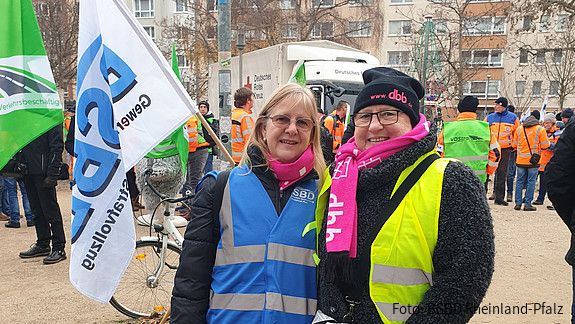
(264, 270)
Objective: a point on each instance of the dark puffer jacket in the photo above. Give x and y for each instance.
(43, 156)
(190, 297)
(560, 182)
(463, 258)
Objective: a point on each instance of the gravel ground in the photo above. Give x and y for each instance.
(529, 271)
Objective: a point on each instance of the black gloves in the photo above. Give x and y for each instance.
(50, 182)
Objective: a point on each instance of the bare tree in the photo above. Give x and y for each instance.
(460, 28)
(58, 21)
(548, 55)
(266, 23)
(515, 87)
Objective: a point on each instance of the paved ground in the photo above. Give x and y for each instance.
(529, 271)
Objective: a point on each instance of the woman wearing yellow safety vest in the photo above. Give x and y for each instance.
(405, 236)
(247, 256)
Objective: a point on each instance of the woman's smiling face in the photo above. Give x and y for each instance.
(286, 143)
(375, 133)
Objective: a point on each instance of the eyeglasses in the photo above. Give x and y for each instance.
(283, 121)
(386, 117)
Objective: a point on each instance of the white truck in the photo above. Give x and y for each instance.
(333, 71)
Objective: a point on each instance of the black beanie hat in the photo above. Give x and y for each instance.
(468, 104)
(386, 86)
(567, 113)
(204, 102)
(503, 101)
(536, 113)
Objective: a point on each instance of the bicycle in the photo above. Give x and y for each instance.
(145, 289)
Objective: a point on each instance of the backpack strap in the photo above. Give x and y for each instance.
(221, 181)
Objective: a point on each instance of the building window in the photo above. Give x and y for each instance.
(289, 31)
(151, 32)
(536, 90)
(212, 5)
(562, 21)
(544, 23)
(527, 21)
(481, 88)
(440, 27)
(557, 56)
(523, 56)
(401, 1)
(181, 5)
(322, 30)
(483, 57)
(400, 27)
(361, 2)
(520, 88)
(398, 58)
(257, 34)
(554, 88)
(540, 57)
(144, 8)
(287, 4)
(182, 60)
(484, 26)
(322, 3)
(359, 28)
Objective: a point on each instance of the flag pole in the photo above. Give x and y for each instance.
(215, 137)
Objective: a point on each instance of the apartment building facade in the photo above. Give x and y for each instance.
(503, 50)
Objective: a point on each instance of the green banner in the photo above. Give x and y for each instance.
(29, 102)
(176, 143)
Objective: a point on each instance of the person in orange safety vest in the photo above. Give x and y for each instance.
(242, 122)
(530, 140)
(553, 134)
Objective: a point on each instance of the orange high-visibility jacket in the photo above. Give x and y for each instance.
(503, 126)
(538, 141)
(242, 128)
(553, 135)
(195, 139)
(494, 150)
(335, 131)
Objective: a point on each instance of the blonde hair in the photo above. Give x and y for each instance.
(298, 94)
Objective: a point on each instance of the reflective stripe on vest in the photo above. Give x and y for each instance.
(262, 261)
(402, 253)
(269, 300)
(469, 142)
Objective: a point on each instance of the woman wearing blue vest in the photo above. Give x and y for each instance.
(405, 236)
(248, 251)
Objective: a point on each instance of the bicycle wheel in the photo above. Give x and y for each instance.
(135, 297)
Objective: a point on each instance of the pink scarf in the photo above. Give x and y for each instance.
(290, 173)
(341, 234)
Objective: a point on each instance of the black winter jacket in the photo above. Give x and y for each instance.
(560, 182)
(190, 297)
(463, 257)
(43, 156)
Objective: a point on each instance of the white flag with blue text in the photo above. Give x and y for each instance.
(128, 101)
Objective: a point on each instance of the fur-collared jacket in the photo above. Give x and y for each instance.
(463, 258)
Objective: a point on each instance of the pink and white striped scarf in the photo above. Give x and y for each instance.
(341, 233)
